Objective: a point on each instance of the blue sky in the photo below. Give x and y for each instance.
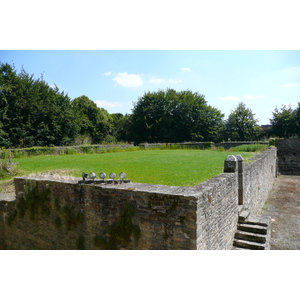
(115, 79)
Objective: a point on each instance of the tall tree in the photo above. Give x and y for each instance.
(297, 120)
(284, 122)
(31, 112)
(170, 116)
(241, 124)
(92, 120)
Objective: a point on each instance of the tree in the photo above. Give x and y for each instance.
(297, 120)
(92, 120)
(32, 113)
(284, 122)
(121, 126)
(170, 116)
(241, 124)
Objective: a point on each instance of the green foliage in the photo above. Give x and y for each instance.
(286, 122)
(8, 169)
(250, 148)
(71, 151)
(241, 124)
(31, 112)
(91, 120)
(170, 116)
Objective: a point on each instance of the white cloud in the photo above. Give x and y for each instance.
(129, 80)
(291, 84)
(185, 69)
(230, 98)
(249, 97)
(107, 74)
(104, 103)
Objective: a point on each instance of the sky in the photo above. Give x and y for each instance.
(115, 79)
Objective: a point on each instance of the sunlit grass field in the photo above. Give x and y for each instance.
(168, 167)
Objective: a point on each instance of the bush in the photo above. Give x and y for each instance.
(250, 148)
(8, 169)
(71, 151)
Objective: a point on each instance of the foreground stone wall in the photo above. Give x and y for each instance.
(77, 216)
(217, 212)
(288, 156)
(60, 213)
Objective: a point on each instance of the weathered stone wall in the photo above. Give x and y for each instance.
(60, 213)
(258, 179)
(288, 152)
(75, 216)
(217, 212)
(228, 145)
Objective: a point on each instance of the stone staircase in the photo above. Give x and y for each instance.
(253, 233)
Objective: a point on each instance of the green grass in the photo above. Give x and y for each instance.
(168, 167)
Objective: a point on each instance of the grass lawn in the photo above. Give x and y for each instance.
(168, 167)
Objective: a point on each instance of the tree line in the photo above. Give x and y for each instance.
(34, 114)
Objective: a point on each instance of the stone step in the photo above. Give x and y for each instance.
(248, 245)
(252, 228)
(257, 221)
(249, 236)
(244, 214)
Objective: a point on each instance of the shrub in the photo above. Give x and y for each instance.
(71, 151)
(250, 148)
(8, 169)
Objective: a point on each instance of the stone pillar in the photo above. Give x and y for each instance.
(230, 164)
(240, 161)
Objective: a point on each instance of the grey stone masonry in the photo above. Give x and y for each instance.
(288, 152)
(230, 164)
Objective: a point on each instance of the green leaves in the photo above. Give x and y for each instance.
(241, 124)
(286, 122)
(170, 116)
(32, 113)
(91, 120)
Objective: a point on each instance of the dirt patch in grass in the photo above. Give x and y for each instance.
(7, 186)
(283, 205)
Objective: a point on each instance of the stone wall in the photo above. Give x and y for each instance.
(60, 213)
(217, 212)
(288, 156)
(228, 145)
(259, 175)
(99, 216)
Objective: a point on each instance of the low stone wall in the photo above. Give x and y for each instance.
(60, 213)
(258, 179)
(217, 212)
(99, 216)
(228, 145)
(288, 156)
